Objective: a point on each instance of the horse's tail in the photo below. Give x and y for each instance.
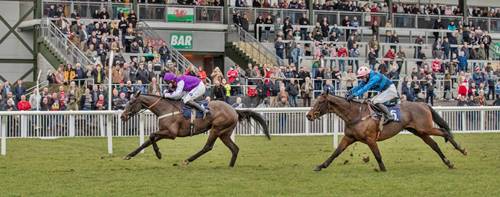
(441, 123)
(249, 114)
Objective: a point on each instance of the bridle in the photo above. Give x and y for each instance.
(148, 107)
(156, 102)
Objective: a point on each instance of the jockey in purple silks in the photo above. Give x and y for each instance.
(192, 86)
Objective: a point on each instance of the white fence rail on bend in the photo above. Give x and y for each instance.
(281, 121)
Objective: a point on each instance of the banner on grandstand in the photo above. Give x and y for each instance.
(180, 14)
(181, 40)
(496, 49)
(124, 10)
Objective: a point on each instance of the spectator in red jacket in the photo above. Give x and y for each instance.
(463, 89)
(23, 104)
(232, 75)
(436, 65)
(342, 52)
(390, 54)
(202, 74)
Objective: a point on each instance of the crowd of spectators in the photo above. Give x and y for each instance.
(365, 6)
(448, 62)
(277, 86)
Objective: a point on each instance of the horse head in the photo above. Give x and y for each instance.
(132, 107)
(321, 107)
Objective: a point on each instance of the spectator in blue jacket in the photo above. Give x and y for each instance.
(478, 76)
(408, 91)
(462, 61)
(19, 90)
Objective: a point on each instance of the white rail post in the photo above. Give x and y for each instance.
(141, 130)
(109, 134)
(335, 132)
(463, 121)
(24, 126)
(325, 123)
(119, 123)
(308, 126)
(101, 125)
(482, 120)
(4, 135)
(71, 125)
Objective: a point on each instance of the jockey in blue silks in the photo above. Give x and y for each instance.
(188, 88)
(372, 80)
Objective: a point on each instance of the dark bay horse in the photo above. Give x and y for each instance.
(171, 124)
(418, 118)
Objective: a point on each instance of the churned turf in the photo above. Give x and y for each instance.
(280, 167)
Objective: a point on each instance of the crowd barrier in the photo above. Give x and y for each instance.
(281, 121)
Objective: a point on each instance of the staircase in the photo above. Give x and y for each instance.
(244, 49)
(48, 51)
(57, 48)
(176, 56)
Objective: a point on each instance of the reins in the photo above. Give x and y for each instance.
(156, 102)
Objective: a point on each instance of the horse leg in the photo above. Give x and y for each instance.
(344, 143)
(440, 132)
(429, 141)
(136, 151)
(226, 139)
(153, 138)
(376, 152)
(208, 146)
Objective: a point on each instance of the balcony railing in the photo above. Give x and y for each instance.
(214, 14)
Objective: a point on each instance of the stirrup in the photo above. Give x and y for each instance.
(191, 129)
(387, 120)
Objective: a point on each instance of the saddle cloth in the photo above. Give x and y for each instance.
(186, 109)
(393, 107)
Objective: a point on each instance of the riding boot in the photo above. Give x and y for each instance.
(388, 116)
(198, 107)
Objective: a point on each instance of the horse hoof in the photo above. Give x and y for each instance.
(158, 155)
(318, 168)
(185, 162)
(127, 157)
(464, 152)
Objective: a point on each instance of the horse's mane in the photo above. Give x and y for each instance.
(354, 101)
(163, 98)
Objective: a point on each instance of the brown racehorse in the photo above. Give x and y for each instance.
(221, 122)
(416, 117)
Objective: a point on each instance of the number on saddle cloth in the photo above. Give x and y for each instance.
(393, 107)
(186, 109)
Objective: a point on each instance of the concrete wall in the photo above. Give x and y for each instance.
(11, 47)
(202, 41)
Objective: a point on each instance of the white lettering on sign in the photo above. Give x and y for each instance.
(181, 41)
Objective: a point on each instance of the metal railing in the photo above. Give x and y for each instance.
(70, 52)
(155, 38)
(281, 121)
(366, 33)
(214, 14)
(253, 13)
(86, 9)
(344, 62)
(255, 49)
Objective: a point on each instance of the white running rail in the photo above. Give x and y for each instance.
(281, 121)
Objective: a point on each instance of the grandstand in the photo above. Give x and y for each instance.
(260, 51)
(68, 69)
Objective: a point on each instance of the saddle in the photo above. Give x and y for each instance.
(188, 111)
(192, 113)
